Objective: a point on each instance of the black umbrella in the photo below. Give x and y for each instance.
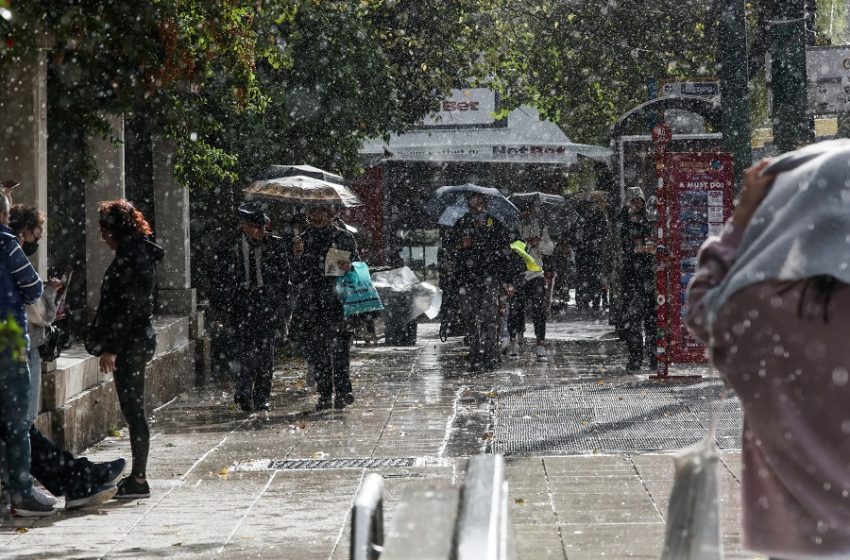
(448, 204)
(552, 209)
(281, 171)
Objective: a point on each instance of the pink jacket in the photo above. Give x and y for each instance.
(792, 375)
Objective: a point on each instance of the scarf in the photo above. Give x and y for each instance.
(247, 249)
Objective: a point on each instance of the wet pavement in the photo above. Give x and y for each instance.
(587, 446)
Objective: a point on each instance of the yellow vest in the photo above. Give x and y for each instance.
(530, 264)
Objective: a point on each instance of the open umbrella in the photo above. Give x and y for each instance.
(281, 171)
(449, 204)
(552, 209)
(302, 191)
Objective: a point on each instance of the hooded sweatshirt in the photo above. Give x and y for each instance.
(125, 313)
(787, 362)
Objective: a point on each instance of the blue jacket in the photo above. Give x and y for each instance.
(19, 283)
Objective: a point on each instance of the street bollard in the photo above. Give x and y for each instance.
(367, 520)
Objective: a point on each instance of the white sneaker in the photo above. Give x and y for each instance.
(513, 350)
(42, 496)
(540, 351)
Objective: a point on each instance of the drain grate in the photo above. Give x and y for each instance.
(379, 463)
(312, 464)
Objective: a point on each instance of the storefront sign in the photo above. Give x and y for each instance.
(828, 76)
(708, 89)
(463, 108)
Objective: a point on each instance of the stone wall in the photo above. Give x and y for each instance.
(80, 404)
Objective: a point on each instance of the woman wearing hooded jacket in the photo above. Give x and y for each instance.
(122, 333)
(770, 300)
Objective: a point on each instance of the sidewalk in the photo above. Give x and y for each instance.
(280, 485)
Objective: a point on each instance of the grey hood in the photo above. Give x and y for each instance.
(801, 229)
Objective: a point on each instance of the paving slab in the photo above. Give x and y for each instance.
(230, 485)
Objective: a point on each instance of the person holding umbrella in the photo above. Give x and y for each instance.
(321, 253)
(483, 267)
(248, 297)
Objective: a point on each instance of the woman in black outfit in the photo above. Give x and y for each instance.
(122, 333)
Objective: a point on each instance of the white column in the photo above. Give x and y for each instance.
(171, 207)
(23, 143)
(109, 185)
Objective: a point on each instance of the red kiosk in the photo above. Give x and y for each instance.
(695, 198)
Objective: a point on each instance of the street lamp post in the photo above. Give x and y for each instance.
(734, 91)
(791, 124)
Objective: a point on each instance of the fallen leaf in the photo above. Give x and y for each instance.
(302, 425)
(114, 433)
(519, 501)
(223, 471)
(177, 544)
(22, 530)
(491, 394)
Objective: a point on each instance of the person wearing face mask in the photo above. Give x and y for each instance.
(326, 334)
(82, 482)
(27, 223)
(248, 297)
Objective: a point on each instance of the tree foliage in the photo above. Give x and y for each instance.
(240, 84)
(584, 63)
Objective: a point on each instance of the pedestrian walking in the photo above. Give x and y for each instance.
(770, 298)
(483, 269)
(637, 280)
(122, 333)
(322, 253)
(19, 286)
(83, 483)
(534, 292)
(249, 297)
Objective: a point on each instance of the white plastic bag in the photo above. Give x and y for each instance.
(693, 519)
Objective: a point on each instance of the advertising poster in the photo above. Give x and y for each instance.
(698, 199)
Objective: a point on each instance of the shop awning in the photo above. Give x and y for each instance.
(526, 139)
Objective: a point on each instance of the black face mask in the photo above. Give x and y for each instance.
(29, 248)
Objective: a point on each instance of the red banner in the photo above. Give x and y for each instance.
(695, 200)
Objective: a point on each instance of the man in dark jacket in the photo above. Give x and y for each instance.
(248, 295)
(638, 282)
(483, 268)
(325, 334)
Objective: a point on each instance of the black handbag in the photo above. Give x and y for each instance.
(55, 340)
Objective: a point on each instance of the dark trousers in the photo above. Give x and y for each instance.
(15, 423)
(330, 357)
(530, 296)
(130, 385)
(326, 338)
(479, 306)
(254, 364)
(639, 315)
(588, 278)
(57, 469)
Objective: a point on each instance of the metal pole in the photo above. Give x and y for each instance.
(734, 92)
(791, 123)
